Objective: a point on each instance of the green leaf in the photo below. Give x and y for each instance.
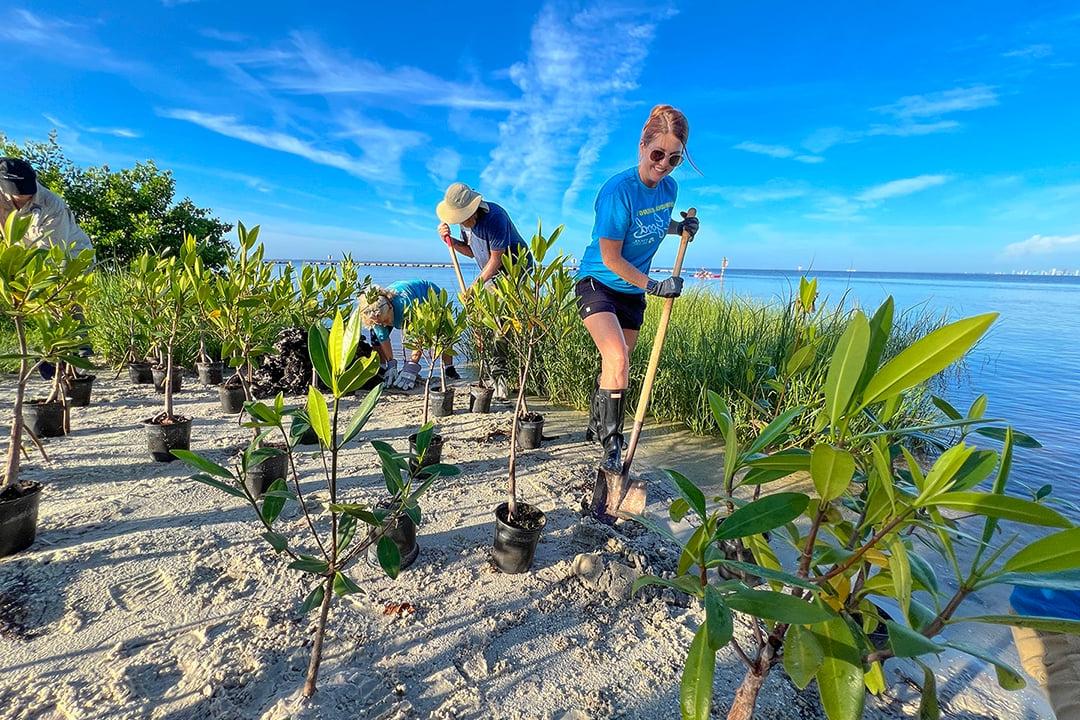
(1021, 439)
(230, 489)
(923, 573)
(840, 677)
(309, 564)
(683, 583)
(1059, 551)
(689, 492)
(346, 532)
(693, 550)
(831, 470)
(975, 469)
(423, 439)
(763, 514)
(900, 568)
(800, 359)
(657, 528)
(272, 503)
(389, 557)
(344, 586)
(802, 655)
(1003, 507)
(874, 679)
(678, 509)
(363, 413)
(319, 416)
(944, 470)
(774, 430)
(846, 366)
(313, 600)
(358, 511)
(1046, 624)
(695, 690)
(334, 344)
(944, 406)
(779, 576)
(928, 704)
(202, 463)
(905, 642)
(880, 329)
(1007, 677)
(720, 624)
(1068, 580)
(276, 540)
(926, 357)
(781, 607)
(317, 350)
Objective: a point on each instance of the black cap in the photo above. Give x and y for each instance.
(17, 177)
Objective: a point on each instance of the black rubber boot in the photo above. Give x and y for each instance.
(612, 404)
(592, 431)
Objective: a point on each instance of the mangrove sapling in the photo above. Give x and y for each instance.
(433, 327)
(330, 541)
(33, 280)
(856, 544)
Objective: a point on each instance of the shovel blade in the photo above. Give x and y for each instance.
(616, 495)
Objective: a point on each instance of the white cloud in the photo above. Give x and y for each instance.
(63, 42)
(1043, 245)
(821, 140)
(899, 188)
(119, 132)
(223, 36)
(54, 121)
(443, 167)
(941, 103)
(777, 151)
(809, 159)
(769, 192)
(1031, 52)
(582, 64)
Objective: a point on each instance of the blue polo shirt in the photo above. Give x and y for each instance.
(407, 292)
(494, 230)
(629, 210)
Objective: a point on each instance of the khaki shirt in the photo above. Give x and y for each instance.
(53, 220)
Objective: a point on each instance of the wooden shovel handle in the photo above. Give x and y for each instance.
(457, 267)
(654, 356)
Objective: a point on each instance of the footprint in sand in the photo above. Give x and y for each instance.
(143, 590)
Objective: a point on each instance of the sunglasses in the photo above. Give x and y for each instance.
(673, 158)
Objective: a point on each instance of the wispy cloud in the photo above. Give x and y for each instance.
(1031, 52)
(114, 131)
(582, 64)
(1043, 245)
(444, 166)
(229, 126)
(63, 41)
(746, 195)
(945, 102)
(223, 36)
(777, 151)
(899, 188)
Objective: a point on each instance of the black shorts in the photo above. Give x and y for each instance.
(595, 297)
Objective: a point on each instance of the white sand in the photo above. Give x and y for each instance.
(147, 595)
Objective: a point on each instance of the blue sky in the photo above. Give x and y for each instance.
(932, 136)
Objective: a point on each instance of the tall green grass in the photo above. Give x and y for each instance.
(735, 346)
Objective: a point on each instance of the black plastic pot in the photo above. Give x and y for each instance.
(18, 518)
(46, 419)
(162, 439)
(442, 402)
(77, 390)
(480, 398)
(530, 431)
(232, 398)
(262, 476)
(434, 449)
(210, 373)
(140, 373)
(403, 532)
(159, 379)
(515, 545)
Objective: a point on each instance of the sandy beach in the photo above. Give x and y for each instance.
(147, 595)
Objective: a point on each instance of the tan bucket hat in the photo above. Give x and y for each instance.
(459, 204)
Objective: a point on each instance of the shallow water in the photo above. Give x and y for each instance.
(1028, 364)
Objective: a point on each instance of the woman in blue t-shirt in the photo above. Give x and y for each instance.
(387, 308)
(633, 215)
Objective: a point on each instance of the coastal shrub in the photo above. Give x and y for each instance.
(743, 348)
(332, 539)
(834, 582)
(433, 326)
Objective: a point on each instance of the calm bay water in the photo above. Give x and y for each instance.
(1028, 364)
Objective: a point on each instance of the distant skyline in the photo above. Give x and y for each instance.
(929, 137)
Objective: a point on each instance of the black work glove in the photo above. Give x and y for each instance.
(670, 288)
(688, 225)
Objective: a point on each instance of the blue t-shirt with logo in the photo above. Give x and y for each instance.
(629, 210)
(407, 292)
(493, 231)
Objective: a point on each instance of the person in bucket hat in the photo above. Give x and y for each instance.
(487, 235)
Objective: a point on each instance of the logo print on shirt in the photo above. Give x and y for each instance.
(649, 232)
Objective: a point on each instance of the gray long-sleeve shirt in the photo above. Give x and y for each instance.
(53, 220)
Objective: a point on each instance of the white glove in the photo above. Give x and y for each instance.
(406, 378)
(390, 372)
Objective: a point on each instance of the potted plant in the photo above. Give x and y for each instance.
(844, 603)
(521, 307)
(333, 537)
(481, 348)
(59, 333)
(32, 280)
(172, 291)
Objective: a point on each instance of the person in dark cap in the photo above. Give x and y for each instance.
(52, 222)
